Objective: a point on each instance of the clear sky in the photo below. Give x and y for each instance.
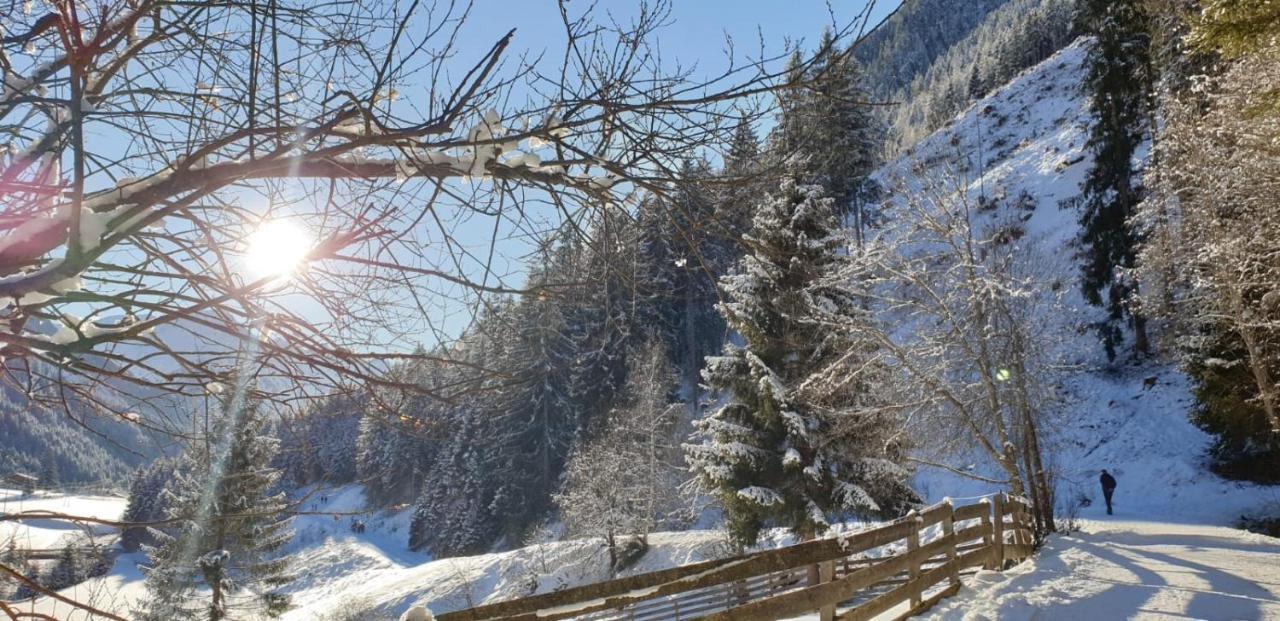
(698, 31)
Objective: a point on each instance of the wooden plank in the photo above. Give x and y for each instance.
(935, 513)
(913, 570)
(969, 533)
(886, 601)
(974, 558)
(827, 573)
(972, 512)
(997, 533)
(949, 532)
(930, 602)
(1021, 551)
(814, 598)
(586, 592)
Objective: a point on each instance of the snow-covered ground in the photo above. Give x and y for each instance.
(1131, 569)
(45, 534)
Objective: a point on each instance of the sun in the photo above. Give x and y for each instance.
(277, 249)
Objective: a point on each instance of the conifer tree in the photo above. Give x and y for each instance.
(452, 515)
(830, 129)
(66, 571)
(740, 190)
(1120, 83)
(146, 502)
(223, 558)
(14, 558)
(770, 455)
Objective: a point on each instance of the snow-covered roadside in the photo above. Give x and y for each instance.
(1130, 569)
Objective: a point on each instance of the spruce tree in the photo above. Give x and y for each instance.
(740, 188)
(223, 557)
(452, 515)
(66, 571)
(14, 558)
(1120, 85)
(829, 128)
(146, 503)
(770, 454)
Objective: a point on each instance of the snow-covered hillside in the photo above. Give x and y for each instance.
(371, 576)
(1021, 151)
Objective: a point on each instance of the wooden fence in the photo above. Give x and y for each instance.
(915, 561)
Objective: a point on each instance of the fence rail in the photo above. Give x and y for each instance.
(915, 560)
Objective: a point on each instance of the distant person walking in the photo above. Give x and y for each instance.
(1108, 487)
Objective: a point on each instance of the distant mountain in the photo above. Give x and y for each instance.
(932, 58)
(67, 448)
(907, 42)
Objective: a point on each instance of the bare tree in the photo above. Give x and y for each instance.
(954, 317)
(627, 481)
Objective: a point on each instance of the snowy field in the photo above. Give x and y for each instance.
(45, 534)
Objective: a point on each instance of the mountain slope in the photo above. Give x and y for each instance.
(1021, 154)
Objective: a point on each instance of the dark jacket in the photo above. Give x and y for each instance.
(1108, 481)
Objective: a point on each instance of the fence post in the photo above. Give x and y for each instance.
(949, 531)
(913, 570)
(998, 531)
(1019, 523)
(827, 573)
(987, 542)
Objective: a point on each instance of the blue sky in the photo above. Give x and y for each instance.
(698, 30)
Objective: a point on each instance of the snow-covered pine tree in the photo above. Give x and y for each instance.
(535, 417)
(740, 188)
(1120, 84)
(223, 557)
(67, 571)
(770, 455)
(683, 247)
(452, 516)
(146, 502)
(14, 559)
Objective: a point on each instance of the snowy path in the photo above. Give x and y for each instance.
(1131, 570)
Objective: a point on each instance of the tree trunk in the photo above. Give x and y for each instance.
(1258, 365)
(1141, 343)
(691, 362)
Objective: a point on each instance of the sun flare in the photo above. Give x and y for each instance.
(277, 249)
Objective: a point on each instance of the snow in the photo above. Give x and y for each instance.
(1129, 568)
(44, 534)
